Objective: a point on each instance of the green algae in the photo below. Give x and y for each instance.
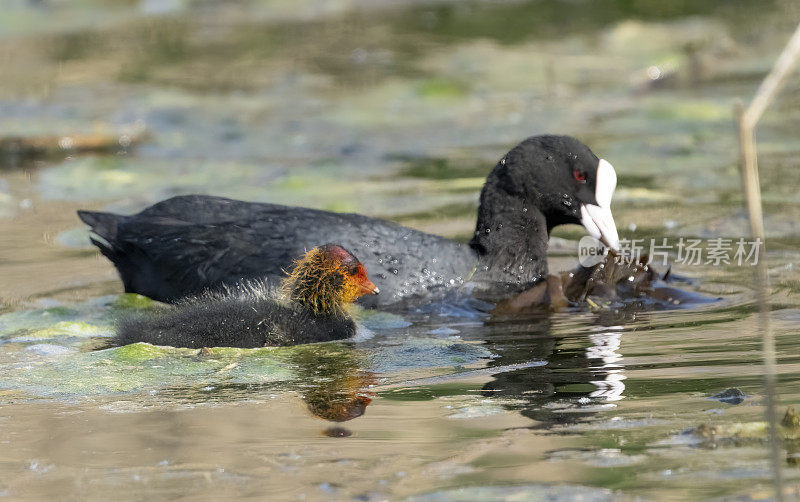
(63, 329)
(93, 318)
(139, 352)
(29, 320)
(79, 370)
(143, 367)
(331, 375)
(132, 301)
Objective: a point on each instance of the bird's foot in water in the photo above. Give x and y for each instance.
(614, 281)
(546, 295)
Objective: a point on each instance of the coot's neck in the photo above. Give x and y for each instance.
(511, 240)
(323, 310)
(317, 295)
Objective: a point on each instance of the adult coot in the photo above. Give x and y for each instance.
(308, 307)
(186, 244)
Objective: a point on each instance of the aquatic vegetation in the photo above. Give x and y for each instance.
(740, 433)
(395, 111)
(63, 329)
(73, 366)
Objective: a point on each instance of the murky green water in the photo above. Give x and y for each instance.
(396, 112)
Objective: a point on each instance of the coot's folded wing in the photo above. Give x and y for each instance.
(167, 259)
(186, 244)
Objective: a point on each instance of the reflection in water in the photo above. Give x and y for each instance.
(329, 377)
(610, 384)
(582, 371)
(337, 432)
(334, 385)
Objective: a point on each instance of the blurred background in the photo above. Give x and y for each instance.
(397, 110)
(392, 109)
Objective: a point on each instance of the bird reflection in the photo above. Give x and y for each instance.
(584, 372)
(335, 385)
(608, 364)
(330, 378)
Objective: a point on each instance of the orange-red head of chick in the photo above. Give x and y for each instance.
(326, 279)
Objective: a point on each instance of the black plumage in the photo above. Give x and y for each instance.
(186, 244)
(246, 316)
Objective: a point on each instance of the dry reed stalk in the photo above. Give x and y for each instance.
(747, 120)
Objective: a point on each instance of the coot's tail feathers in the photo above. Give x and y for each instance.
(104, 229)
(105, 235)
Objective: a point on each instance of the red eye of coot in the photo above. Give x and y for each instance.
(579, 175)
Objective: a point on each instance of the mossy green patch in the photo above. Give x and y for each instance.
(132, 301)
(63, 329)
(138, 352)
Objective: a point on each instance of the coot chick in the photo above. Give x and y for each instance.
(185, 244)
(308, 306)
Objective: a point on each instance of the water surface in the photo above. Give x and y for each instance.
(397, 112)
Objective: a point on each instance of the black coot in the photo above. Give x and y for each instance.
(187, 244)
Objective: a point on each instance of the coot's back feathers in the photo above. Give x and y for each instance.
(185, 244)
